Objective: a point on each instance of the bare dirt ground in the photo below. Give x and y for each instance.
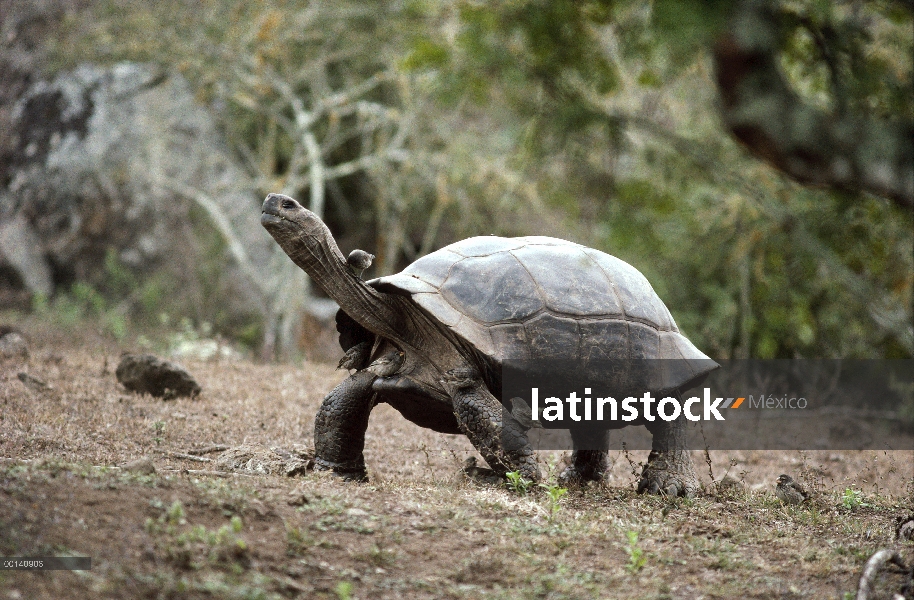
(419, 529)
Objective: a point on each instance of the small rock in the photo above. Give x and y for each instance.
(153, 375)
(12, 345)
(143, 466)
(298, 499)
(33, 383)
(296, 467)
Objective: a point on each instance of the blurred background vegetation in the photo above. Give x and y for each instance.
(598, 122)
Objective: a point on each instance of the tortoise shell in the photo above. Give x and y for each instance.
(539, 298)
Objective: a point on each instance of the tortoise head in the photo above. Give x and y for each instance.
(308, 242)
(286, 220)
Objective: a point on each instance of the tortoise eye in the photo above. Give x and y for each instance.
(288, 204)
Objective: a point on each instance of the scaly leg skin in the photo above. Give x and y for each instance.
(588, 459)
(339, 429)
(669, 468)
(501, 441)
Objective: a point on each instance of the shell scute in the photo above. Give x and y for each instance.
(490, 289)
(568, 280)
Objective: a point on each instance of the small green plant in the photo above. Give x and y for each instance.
(175, 514)
(555, 494)
(83, 302)
(158, 427)
(381, 556)
(636, 557)
(195, 546)
(297, 541)
(344, 590)
(853, 499)
(517, 483)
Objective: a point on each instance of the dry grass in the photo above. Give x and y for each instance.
(419, 529)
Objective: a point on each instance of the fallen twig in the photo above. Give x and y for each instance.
(183, 456)
(872, 567)
(207, 472)
(208, 449)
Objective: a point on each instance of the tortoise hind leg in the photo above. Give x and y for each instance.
(669, 468)
(339, 428)
(588, 458)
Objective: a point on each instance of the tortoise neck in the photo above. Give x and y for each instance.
(315, 251)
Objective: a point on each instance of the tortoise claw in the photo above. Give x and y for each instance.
(346, 473)
(670, 475)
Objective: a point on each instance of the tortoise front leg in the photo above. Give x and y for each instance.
(501, 442)
(339, 428)
(669, 468)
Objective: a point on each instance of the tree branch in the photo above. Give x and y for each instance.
(848, 151)
(888, 315)
(216, 215)
(873, 565)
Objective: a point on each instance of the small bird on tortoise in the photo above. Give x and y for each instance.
(387, 365)
(356, 357)
(789, 491)
(358, 261)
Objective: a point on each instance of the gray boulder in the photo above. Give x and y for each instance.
(114, 158)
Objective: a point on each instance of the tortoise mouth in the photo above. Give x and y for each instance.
(268, 219)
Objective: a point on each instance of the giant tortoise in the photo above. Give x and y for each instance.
(430, 341)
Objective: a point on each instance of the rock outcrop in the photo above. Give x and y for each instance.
(113, 159)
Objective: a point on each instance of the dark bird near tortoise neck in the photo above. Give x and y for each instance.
(358, 261)
(356, 357)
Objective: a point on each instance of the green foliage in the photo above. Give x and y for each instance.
(517, 483)
(158, 427)
(750, 264)
(636, 556)
(555, 493)
(853, 499)
(688, 27)
(196, 546)
(80, 303)
(839, 56)
(344, 590)
(297, 541)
